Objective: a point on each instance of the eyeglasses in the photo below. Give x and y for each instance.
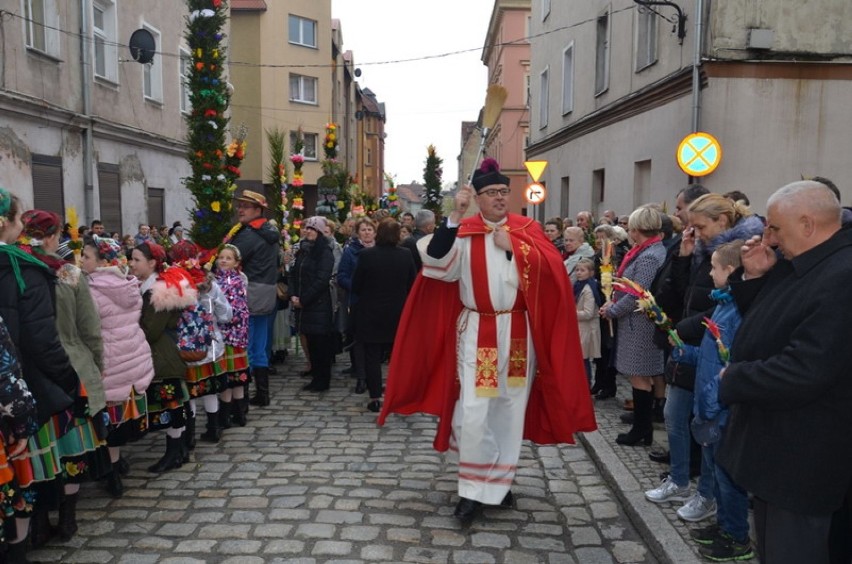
(493, 192)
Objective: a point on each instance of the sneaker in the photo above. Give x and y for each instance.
(706, 535)
(727, 549)
(697, 508)
(668, 491)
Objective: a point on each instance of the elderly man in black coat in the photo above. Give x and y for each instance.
(789, 438)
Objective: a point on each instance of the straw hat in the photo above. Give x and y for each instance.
(252, 198)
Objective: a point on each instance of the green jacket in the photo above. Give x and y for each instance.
(161, 309)
(79, 326)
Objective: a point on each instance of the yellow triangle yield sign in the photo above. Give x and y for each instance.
(535, 168)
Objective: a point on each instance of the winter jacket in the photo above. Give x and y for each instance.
(127, 362)
(410, 243)
(235, 330)
(17, 406)
(309, 281)
(30, 316)
(346, 269)
(583, 251)
(708, 362)
(382, 279)
(215, 302)
(589, 322)
(79, 327)
(258, 243)
(161, 309)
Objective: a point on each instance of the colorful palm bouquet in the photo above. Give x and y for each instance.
(648, 305)
(716, 333)
(607, 269)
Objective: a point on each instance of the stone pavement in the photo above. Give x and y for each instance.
(313, 479)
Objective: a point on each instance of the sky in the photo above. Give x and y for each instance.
(425, 100)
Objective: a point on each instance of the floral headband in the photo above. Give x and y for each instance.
(110, 251)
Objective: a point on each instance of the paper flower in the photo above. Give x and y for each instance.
(716, 332)
(648, 305)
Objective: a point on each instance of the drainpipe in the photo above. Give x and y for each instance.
(696, 65)
(86, 83)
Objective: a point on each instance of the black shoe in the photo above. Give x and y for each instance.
(466, 510)
(173, 457)
(375, 406)
(658, 410)
(66, 528)
(306, 374)
(360, 386)
(122, 466)
(214, 432)
(627, 418)
(508, 501)
(309, 387)
(633, 438)
(17, 552)
(605, 394)
(661, 456)
(114, 485)
(706, 535)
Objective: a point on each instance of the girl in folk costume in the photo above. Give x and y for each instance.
(165, 294)
(233, 403)
(587, 296)
(17, 423)
(207, 377)
(83, 451)
(127, 364)
(27, 306)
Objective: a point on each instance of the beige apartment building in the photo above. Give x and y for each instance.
(290, 72)
(84, 125)
(614, 90)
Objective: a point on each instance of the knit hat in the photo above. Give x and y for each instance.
(488, 174)
(317, 223)
(39, 224)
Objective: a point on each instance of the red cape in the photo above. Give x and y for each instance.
(422, 373)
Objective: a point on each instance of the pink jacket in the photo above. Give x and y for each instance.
(127, 355)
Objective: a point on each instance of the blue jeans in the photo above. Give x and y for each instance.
(259, 332)
(732, 500)
(678, 411)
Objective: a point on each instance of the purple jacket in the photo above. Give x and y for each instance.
(127, 355)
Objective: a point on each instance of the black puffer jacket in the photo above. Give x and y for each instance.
(258, 243)
(309, 281)
(31, 319)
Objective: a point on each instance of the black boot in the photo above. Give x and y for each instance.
(40, 530)
(360, 386)
(67, 526)
(238, 414)
(261, 385)
(658, 409)
(114, 485)
(189, 434)
(16, 553)
(225, 414)
(214, 431)
(642, 430)
(173, 457)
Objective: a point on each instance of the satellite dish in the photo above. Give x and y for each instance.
(357, 72)
(142, 46)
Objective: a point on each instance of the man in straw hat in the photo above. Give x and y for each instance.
(509, 365)
(258, 243)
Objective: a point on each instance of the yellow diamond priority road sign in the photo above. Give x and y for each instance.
(699, 154)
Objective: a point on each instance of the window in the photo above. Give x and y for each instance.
(544, 99)
(109, 192)
(310, 140)
(303, 31)
(184, 69)
(156, 206)
(545, 9)
(152, 80)
(568, 79)
(646, 38)
(565, 202)
(641, 183)
(105, 39)
(41, 22)
(303, 89)
(47, 184)
(527, 89)
(598, 189)
(602, 55)
(369, 158)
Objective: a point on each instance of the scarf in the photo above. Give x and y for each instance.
(591, 283)
(15, 256)
(722, 295)
(631, 254)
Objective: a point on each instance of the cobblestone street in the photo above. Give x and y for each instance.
(313, 479)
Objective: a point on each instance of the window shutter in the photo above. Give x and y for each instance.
(109, 188)
(156, 206)
(47, 184)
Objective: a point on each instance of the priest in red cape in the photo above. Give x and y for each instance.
(488, 341)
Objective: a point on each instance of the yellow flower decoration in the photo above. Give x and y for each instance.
(216, 207)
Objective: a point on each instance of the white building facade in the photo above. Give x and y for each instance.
(81, 123)
(613, 94)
